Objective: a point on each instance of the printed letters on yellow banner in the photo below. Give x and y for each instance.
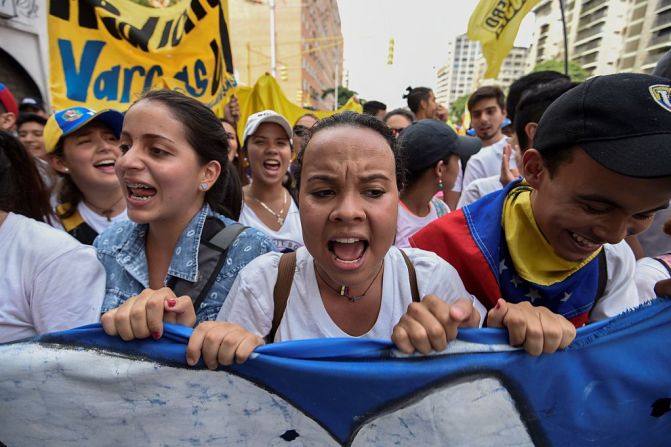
(104, 54)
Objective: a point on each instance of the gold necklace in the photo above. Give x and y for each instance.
(278, 216)
(344, 290)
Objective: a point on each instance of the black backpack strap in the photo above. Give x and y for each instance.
(84, 233)
(603, 275)
(665, 260)
(285, 278)
(412, 276)
(214, 243)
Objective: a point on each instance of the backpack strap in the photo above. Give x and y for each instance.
(665, 260)
(214, 243)
(285, 278)
(75, 225)
(412, 276)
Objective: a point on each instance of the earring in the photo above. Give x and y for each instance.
(203, 186)
(440, 183)
(66, 169)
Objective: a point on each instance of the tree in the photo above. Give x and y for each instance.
(344, 94)
(575, 71)
(458, 107)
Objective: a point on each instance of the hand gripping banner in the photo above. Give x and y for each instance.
(611, 387)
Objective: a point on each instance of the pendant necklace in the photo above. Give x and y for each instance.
(106, 212)
(278, 216)
(344, 290)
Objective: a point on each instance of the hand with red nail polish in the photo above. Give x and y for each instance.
(536, 328)
(143, 315)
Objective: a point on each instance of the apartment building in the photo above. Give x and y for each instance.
(604, 36)
(308, 48)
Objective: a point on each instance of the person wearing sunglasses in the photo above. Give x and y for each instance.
(398, 119)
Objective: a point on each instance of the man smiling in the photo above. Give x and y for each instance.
(594, 176)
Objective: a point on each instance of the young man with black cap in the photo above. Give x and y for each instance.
(33, 104)
(431, 151)
(599, 169)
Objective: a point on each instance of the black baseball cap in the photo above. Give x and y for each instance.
(31, 102)
(426, 142)
(622, 121)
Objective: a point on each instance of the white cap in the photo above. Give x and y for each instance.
(267, 116)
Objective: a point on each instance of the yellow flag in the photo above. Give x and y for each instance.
(104, 54)
(495, 24)
(267, 94)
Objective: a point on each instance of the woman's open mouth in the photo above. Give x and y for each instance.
(140, 192)
(348, 251)
(106, 166)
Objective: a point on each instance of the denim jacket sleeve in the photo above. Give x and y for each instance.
(121, 251)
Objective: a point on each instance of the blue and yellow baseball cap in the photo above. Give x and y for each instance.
(67, 121)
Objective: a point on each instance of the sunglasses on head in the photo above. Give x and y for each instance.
(300, 130)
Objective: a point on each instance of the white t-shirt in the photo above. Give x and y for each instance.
(478, 188)
(486, 162)
(648, 273)
(409, 223)
(288, 237)
(96, 221)
(250, 302)
(620, 293)
(48, 281)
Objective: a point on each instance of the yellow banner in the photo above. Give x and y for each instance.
(104, 54)
(495, 24)
(267, 94)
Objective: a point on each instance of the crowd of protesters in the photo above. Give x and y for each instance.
(382, 225)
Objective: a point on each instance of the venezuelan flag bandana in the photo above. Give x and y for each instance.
(474, 241)
(533, 257)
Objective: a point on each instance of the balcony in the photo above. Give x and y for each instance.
(591, 5)
(589, 32)
(661, 37)
(662, 19)
(578, 50)
(662, 5)
(593, 17)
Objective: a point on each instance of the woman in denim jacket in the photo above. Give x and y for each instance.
(175, 174)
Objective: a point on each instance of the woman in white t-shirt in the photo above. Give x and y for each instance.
(348, 279)
(83, 146)
(268, 205)
(431, 151)
(40, 264)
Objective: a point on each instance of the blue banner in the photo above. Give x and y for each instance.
(610, 387)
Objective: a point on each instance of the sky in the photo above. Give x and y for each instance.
(421, 30)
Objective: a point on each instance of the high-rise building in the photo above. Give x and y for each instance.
(647, 35)
(604, 36)
(464, 73)
(513, 67)
(308, 46)
(456, 78)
